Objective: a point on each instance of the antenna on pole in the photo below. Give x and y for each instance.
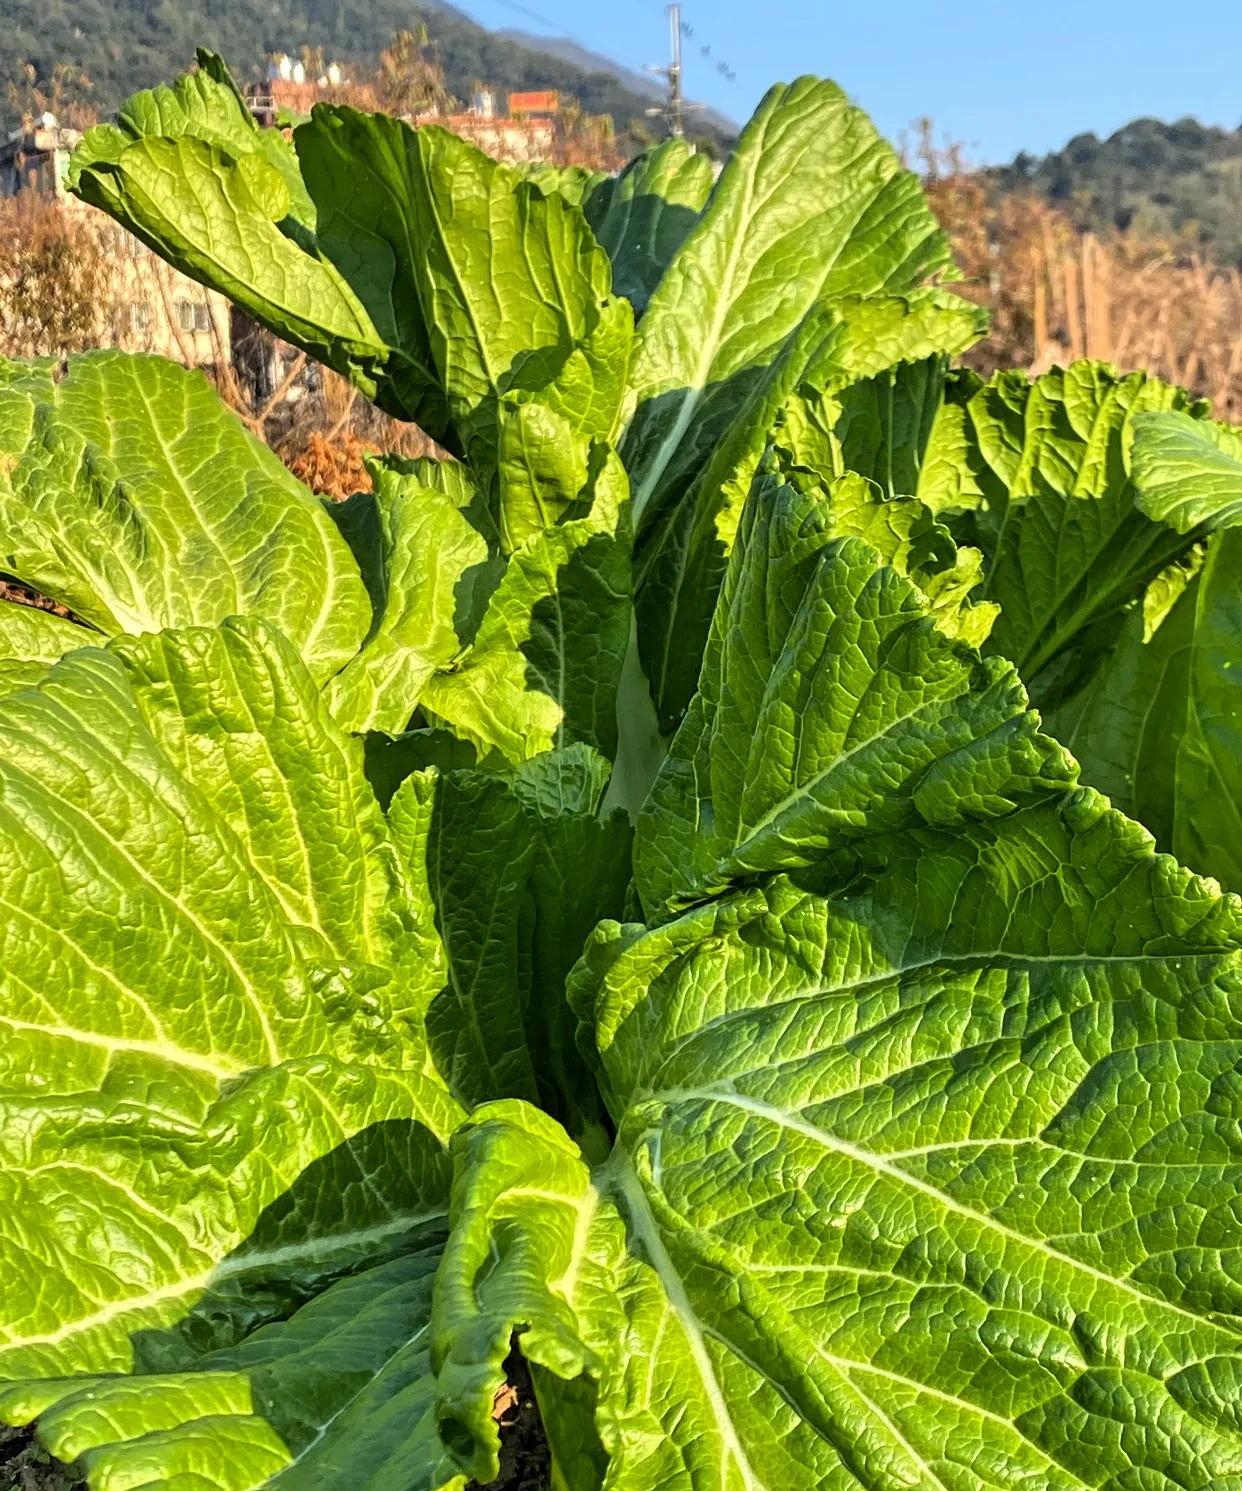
(674, 110)
(676, 99)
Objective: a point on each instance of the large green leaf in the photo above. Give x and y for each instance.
(189, 172)
(1188, 472)
(849, 364)
(204, 105)
(434, 277)
(924, 1177)
(1157, 723)
(499, 281)
(339, 1395)
(133, 496)
(926, 1154)
(1065, 544)
(812, 205)
(520, 869)
(216, 1095)
(831, 705)
(129, 493)
(642, 217)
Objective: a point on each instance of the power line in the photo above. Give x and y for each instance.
(558, 32)
(533, 15)
(675, 108)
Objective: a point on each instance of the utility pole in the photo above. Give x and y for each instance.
(674, 111)
(676, 99)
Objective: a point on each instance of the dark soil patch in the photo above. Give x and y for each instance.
(525, 1460)
(26, 1467)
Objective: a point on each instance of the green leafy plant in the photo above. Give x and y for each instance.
(608, 894)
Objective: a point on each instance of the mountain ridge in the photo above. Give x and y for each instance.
(1179, 181)
(126, 45)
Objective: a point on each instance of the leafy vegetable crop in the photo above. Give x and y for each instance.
(612, 891)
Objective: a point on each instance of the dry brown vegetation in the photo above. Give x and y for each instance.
(1056, 294)
(54, 296)
(327, 444)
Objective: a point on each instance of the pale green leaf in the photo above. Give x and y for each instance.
(498, 282)
(432, 276)
(837, 362)
(901, 1196)
(830, 706)
(205, 105)
(811, 206)
(216, 1096)
(31, 640)
(547, 436)
(1188, 471)
(227, 221)
(129, 493)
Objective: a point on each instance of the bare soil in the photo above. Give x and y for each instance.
(525, 1463)
(25, 1467)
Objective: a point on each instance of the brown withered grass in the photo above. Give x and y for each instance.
(1056, 294)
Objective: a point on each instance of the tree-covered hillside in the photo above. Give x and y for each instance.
(1158, 180)
(123, 45)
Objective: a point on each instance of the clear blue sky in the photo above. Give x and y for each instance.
(998, 78)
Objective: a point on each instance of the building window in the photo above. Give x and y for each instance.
(192, 315)
(139, 317)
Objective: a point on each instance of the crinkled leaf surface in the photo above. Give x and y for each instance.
(190, 173)
(137, 499)
(502, 280)
(129, 493)
(205, 105)
(1064, 541)
(549, 436)
(217, 1098)
(1089, 493)
(926, 1155)
(924, 1178)
(432, 276)
(338, 1395)
(1188, 472)
(835, 368)
(830, 706)
(1156, 723)
(812, 205)
(642, 217)
(227, 220)
(31, 640)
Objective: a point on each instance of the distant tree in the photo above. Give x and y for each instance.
(410, 76)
